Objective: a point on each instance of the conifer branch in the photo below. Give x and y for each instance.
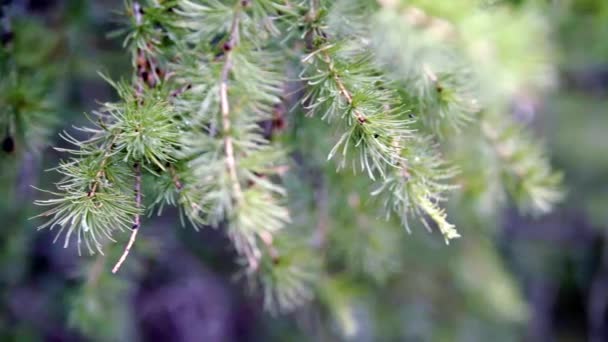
(352, 94)
(136, 221)
(536, 187)
(233, 40)
(412, 189)
(231, 163)
(233, 91)
(210, 150)
(347, 95)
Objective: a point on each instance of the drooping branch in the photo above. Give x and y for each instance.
(136, 221)
(231, 164)
(233, 40)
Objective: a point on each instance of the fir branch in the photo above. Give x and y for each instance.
(288, 280)
(531, 182)
(136, 220)
(208, 75)
(418, 187)
(432, 73)
(140, 127)
(233, 92)
(346, 86)
(415, 179)
(233, 40)
(92, 218)
(237, 194)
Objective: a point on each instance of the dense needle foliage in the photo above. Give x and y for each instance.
(209, 74)
(233, 105)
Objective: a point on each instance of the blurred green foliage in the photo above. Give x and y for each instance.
(383, 284)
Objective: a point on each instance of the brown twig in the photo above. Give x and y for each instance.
(137, 220)
(175, 178)
(361, 118)
(98, 176)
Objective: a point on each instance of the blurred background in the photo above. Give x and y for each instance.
(511, 278)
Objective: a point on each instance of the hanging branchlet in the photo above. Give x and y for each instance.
(232, 92)
(95, 198)
(101, 189)
(288, 278)
(375, 245)
(380, 129)
(431, 68)
(228, 47)
(534, 186)
(201, 116)
(432, 74)
(148, 76)
(236, 86)
(418, 188)
(344, 86)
